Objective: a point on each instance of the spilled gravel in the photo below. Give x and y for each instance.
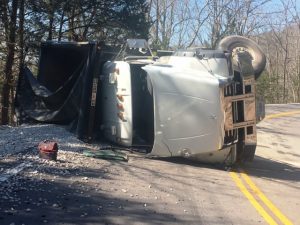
(19, 139)
(77, 189)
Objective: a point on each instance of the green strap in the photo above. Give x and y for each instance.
(106, 154)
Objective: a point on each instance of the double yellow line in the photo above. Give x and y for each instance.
(242, 180)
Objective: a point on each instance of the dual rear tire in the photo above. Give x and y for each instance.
(245, 152)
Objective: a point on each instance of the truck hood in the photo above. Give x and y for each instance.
(188, 111)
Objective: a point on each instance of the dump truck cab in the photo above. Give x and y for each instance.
(193, 104)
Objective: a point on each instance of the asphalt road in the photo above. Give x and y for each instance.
(82, 190)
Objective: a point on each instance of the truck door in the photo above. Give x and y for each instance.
(117, 102)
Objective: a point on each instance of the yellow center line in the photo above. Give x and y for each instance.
(252, 200)
(257, 191)
(276, 115)
(265, 200)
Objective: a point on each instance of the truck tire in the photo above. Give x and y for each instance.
(234, 42)
(245, 153)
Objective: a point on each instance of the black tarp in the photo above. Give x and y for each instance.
(61, 93)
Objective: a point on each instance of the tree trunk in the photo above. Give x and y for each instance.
(50, 29)
(4, 16)
(61, 23)
(285, 72)
(21, 35)
(8, 75)
(21, 57)
(157, 24)
(277, 75)
(72, 36)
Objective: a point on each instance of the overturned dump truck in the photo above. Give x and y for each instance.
(195, 103)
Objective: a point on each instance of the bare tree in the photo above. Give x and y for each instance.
(9, 19)
(229, 17)
(176, 24)
(281, 39)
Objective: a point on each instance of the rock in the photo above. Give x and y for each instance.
(83, 215)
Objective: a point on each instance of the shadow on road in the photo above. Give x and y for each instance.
(193, 163)
(25, 199)
(270, 169)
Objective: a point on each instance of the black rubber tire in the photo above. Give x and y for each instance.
(230, 43)
(245, 153)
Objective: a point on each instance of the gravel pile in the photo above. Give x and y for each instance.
(26, 137)
(77, 189)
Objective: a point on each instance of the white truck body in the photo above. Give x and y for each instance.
(188, 105)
